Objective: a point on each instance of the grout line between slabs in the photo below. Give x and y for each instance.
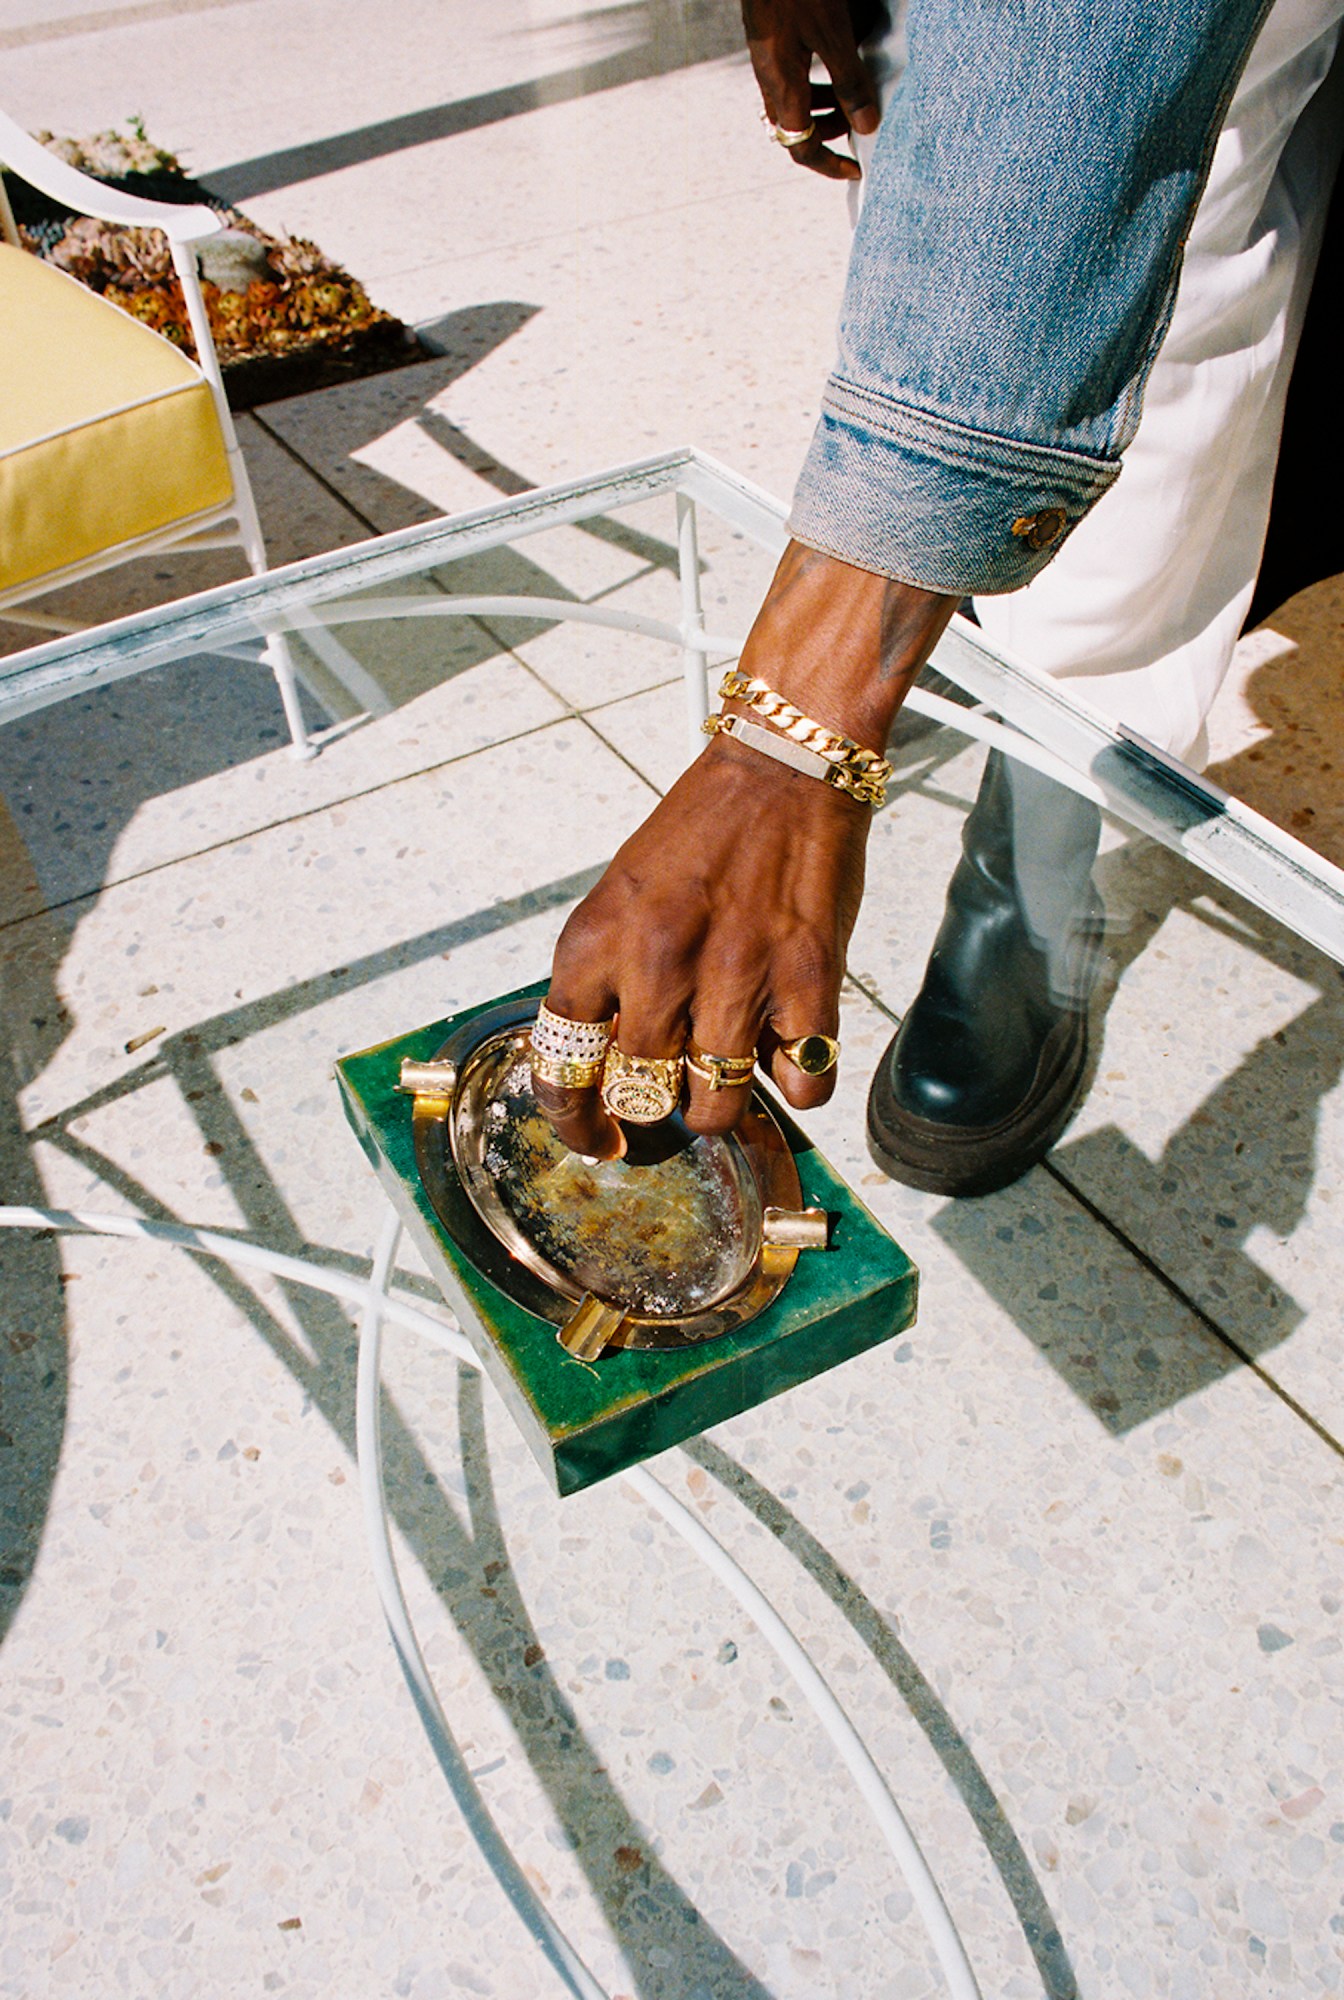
(607, 744)
(288, 819)
(1164, 1278)
(574, 236)
(292, 452)
(1198, 1312)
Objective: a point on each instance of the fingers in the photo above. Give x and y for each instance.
(581, 1120)
(852, 85)
(729, 1022)
(807, 1004)
(738, 1008)
(820, 160)
(727, 1016)
(782, 62)
(580, 991)
(651, 1021)
(803, 1092)
(814, 105)
(829, 119)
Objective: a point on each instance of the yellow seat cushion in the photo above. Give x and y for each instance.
(107, 433)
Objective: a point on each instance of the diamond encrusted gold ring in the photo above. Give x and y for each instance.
(564, 1072)
(565, 1041)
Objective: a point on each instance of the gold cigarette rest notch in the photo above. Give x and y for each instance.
(689, 1239)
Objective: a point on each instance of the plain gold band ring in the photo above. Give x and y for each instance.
(784, 135)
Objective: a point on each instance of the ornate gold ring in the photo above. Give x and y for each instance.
(642, 1090)
(568, 1074)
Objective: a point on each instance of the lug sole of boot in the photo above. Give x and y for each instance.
(974, 1160)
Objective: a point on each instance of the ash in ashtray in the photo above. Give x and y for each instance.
(660, 1240)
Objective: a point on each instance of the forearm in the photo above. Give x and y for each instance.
(841, 643)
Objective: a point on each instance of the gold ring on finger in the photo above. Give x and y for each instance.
(643, 1090)
(812, 1054)
(785, 135)
(567, 1073)
(720, 1072)
(555, 1037)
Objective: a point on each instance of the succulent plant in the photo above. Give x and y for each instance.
(304, 301)
(111, 155)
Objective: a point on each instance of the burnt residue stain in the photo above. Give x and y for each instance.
(663, 1240)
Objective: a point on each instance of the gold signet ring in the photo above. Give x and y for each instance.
(812, 1054)
(642, 1090)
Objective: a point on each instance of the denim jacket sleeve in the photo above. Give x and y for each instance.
(1012, 275)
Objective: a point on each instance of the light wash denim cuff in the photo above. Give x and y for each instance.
(908, 495)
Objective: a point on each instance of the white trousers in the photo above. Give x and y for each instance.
(1142, 607)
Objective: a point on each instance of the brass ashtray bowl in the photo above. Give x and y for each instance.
(686, 1239)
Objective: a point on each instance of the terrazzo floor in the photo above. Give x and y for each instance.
(1072, 1551)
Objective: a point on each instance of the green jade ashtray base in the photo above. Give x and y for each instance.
(586, 1420)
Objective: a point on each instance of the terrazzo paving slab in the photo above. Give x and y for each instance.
(656, 1762)
(1210, 1133)
(189, 757)
(1086, 1341)
(261, 913)
(392, 448)
(639, 150)
(686, 369)
(1228, 1172)
(215, 1779)
(437, 55)
(650, 731)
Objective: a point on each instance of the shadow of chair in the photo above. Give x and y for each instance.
(114, 444)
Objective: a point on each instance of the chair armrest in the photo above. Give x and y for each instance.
(41, 169)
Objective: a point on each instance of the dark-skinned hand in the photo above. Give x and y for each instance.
(727, 914)
(783, 39)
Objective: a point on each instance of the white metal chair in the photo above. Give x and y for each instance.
(113, 443)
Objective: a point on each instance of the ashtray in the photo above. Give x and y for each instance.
(619, 1306)
(679, 1242)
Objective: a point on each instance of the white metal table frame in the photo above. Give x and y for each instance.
(1021, 711)
(1014, 708)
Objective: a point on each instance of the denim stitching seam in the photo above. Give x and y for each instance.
(963, 447)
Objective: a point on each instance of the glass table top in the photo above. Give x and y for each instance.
(408, 577)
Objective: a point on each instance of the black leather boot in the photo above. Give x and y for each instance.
(987, 1067)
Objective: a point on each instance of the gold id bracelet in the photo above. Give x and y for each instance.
(800, 728)
(869, 791)
(796, 740)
